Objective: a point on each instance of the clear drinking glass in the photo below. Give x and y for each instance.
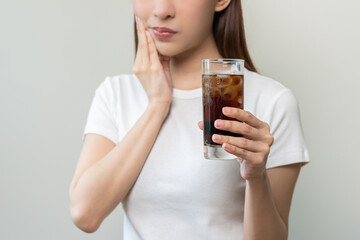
(222, 86)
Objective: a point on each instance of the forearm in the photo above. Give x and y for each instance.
(261, 218)
(103, 186)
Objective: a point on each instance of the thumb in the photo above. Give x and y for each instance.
(201, 125)
(165, 62)
(163, 57)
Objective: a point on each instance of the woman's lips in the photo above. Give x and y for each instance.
(163, 33)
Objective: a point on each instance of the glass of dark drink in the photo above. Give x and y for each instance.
(222, 86)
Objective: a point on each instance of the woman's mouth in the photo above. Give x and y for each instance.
(163, 33)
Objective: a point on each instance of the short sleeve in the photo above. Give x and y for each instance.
(285, 126)
(101, 118)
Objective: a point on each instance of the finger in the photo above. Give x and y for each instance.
(154, 56)
(143, 44)
(243, 116)
(138, 52)
(201, 125)
(239, 127)
(246, 144)
(165, 62)
(253, 157)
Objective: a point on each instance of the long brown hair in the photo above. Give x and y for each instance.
(229, 34)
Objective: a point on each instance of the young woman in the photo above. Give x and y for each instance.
(143, 140)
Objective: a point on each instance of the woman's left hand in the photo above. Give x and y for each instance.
(253, 148)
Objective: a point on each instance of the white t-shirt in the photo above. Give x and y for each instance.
(179, 194)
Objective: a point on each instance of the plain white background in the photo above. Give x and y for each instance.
(53, 54)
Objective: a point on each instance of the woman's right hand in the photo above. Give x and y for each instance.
(151, 68)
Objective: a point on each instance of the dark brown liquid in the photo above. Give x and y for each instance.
(221, 90)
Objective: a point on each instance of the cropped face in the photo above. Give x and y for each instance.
(177, 26)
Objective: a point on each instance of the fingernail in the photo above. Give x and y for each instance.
(226, 110)
(218, 123)
(136, 19)
(216, 137)
(226, 146)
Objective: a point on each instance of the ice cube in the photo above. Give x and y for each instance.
(229, 93)
(236, 80)
(213, 93)
(223, 80)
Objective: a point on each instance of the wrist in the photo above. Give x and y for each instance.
(159, 108)
(258, 180)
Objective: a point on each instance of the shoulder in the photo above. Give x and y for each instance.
(118, 81)
(265, 96)
(121, 85)
(264, 86)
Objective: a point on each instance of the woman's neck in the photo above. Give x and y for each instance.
(186, 68)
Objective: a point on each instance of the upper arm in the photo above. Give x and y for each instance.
(94, 148)
(282, 182)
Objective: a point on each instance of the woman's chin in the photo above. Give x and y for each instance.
(165, 53)
(168, 51)
(173, 51)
